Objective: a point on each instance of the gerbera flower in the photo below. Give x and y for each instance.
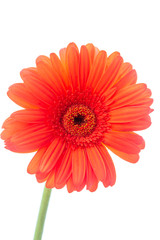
(76, 107)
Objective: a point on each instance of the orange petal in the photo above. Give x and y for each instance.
(132, 158)
(70, 185)
(97, 69)
(111, 58)
(63, 172)
(137, 125)
(109, 96)
(128, 95)
(137, 139)
(81, 186)
(78, 166)
(31, 134)
(42, 177)
(84, 66)
(27, 148)
(108, 79)
(49, 75)
(33, 166)
(29, 139)
(110, 169)
(62, 54)
(129, 79)
(50, 183)
(128, 114)
(145, 102)
(12, 127)
(96, 162)
(52, 155)
(124, 69)
(19, 94)
(59, 69)
(40, 88)
(92, 181)
(29, 116)
(92, 51)
(59, 186)
(72, 54)
(123, 142)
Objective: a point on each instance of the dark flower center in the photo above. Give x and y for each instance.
(79, 120)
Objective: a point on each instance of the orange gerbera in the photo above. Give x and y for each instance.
(75, 107)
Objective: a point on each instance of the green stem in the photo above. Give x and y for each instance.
(42, 214)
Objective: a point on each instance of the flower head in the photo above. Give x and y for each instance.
(75, 107)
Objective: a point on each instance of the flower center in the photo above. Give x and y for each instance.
(79, 120)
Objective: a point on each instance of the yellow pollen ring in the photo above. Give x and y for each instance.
(79, 120)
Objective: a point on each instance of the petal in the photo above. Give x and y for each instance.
(42, 177)
(59, 69)
(29, 116)
(78, 166)
(97, 69)
(32, 133)
(132, 158)
(63, 172)
(109, 77)
(92, 181)
(49, 74)
(72, 57)
(96, 162)
(145, 102)
(19, 94)
(70, 185)
(27, 148)
(128, 114)
(59, 186)
(109, 96)
(84, 66)
(92, 51)
(81, 186)
(128, 95)
(26, 137)
(129, 79)
(12, 127)
(52, 155)
(125, 68)
(137, 125)
(33, 166)
(111, 58)
(62, 54)
(50, 183)
(129, 143)
(38, 86)
(110, 169)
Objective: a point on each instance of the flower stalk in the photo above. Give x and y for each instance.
(42, 213)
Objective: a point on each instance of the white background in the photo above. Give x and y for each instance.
(130, 209)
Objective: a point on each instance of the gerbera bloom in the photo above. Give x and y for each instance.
(76, 107)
